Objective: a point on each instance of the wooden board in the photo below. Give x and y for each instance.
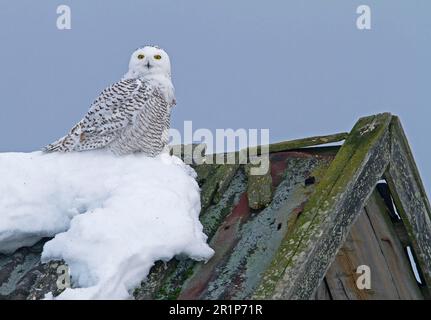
(372, 241)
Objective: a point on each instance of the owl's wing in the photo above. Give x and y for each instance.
(111, 112)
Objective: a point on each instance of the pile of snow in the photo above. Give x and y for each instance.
(113, 217)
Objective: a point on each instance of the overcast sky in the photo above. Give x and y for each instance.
(299, 68)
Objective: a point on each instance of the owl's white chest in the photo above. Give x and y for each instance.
(149, 130)
(161, 84)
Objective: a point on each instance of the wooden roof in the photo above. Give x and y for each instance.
(282, 235)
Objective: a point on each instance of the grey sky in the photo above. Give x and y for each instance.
(299, 68)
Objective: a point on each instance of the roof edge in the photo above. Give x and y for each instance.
(249, 152)
(308, 250)
(410, 198)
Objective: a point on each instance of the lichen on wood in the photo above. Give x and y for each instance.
(246, 241)
(307, 251)
(410, 197)
(259, 189)
(217, 183)
(292, 234)
(165, 281)
(300, 143)
(243, 156)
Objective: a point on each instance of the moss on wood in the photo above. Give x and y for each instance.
(410, 197)
(259, 189)
(301, 143)
(217, 183)
(165, 281)
(343, 171)
(243, 156)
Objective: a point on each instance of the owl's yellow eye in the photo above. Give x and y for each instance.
(157, 57)
(141, 56)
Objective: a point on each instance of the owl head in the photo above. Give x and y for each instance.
(148, 61)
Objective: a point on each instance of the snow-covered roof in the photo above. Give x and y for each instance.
(298, 232)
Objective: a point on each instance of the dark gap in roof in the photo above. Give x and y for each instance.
(415, 266)
(309, 181)
(383, 189)
(331, 150)
(328, 289)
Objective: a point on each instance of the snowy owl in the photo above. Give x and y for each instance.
(132, 115)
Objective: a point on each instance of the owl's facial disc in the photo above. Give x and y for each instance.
(149, 61)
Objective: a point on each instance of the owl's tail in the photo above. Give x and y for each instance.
(67, 143)
(62, 145)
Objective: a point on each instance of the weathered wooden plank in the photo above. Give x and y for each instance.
(216, 184)
(372, 241)
(361, 247)
(165, 281)
(299, 143)
(410, 197)
(323, 292)
(392, 249)
(307, 142)
(307, 251)
(246, 242)
(259, 189)
(246, 153)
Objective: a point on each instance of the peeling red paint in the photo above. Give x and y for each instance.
(223, 241)
(208, 276)
(298, 210)
(279, 165)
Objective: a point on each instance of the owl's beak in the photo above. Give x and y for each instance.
(148, 65)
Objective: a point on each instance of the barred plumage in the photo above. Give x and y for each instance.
(132, 115)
